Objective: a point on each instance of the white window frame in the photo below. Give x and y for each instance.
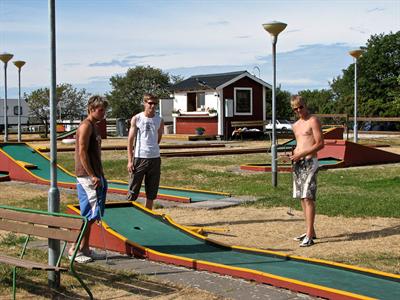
(251, 101)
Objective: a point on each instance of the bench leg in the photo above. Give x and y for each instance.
(14, 276)
(72, 271)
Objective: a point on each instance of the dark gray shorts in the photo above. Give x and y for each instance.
(305, 178)
(149, 169)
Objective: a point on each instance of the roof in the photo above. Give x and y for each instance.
(213, 81)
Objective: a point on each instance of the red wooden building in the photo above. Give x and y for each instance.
(213, 101)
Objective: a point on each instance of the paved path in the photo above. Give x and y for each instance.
(222, 286)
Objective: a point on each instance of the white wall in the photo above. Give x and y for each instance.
(211, 100)
(13, 119)
(180, 101)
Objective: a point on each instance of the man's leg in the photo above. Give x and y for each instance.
(309, 212)
(149, 203)
(84, 246)
(152, 181)
(136, 179)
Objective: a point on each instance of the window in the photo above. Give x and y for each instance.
(196, 101)
(16, 110)
(200, 100)
(243, 101)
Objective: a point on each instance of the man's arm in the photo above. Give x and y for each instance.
(160, 130)
(131, 142)
(85, 130)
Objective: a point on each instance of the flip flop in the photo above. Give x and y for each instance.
(81, 258)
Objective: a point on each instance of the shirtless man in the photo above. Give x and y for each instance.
(309, 139)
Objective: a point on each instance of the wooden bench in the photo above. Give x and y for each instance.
(58, 226)
(238, 125)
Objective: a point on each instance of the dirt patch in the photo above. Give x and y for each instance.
(361, 241)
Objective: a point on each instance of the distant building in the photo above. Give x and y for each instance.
(12, 112)
(213, 101)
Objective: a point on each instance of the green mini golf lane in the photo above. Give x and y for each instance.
(157, 234)
(23, 152)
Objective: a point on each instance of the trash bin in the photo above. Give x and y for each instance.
(121, 127)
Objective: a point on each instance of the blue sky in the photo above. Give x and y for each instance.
(97, 39)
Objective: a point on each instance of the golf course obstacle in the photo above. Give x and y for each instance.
(25, 163)
(131, 229)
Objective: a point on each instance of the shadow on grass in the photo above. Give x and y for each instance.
(365, 235)
(241, 222)
(128, 285)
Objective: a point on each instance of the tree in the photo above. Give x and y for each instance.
(319, 101)
(71, 103)
(126, 96)
(378, 71)
(283, 109)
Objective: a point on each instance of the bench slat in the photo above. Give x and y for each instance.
(28, 264)
(58, 221)
(248, 123)
(27, 228)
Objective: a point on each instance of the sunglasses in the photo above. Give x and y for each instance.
(151, 103)
(298, 108)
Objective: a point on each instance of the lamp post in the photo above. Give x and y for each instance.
(19, 64)
(356, 54)
(5, 58)
(274, 28)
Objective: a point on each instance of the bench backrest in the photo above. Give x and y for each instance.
(248, 123)
(41, 224)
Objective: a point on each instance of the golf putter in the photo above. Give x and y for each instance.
(289, 212)
(104, 240)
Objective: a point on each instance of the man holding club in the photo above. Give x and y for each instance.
(309, 140)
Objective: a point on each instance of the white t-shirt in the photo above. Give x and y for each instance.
(147, 136)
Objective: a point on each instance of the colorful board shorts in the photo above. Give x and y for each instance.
(305, 178)
(91, 201)
(149, 169)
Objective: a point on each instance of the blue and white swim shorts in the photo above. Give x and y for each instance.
(91, 201)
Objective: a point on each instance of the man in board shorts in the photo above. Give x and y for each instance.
(144, 151)
(309, 140)
(91, 184)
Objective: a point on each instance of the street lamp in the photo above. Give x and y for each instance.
(274, 28)
(5, 58)
(19, 64)
(356, 54)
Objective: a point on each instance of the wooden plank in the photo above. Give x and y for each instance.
(56, 221)
(345, 116)
(248, 123)
(28, 264)
(28, 228)
(377, 119)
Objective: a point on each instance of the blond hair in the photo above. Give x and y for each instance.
(147, 97)
(95, 101)
(297, 100)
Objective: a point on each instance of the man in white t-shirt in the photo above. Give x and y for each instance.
(144, 151)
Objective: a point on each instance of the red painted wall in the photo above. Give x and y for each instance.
(188, 125)
(257, 102)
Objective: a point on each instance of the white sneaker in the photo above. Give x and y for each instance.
(307, 242)
(302, 236)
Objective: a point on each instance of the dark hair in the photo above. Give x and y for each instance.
(96, 101)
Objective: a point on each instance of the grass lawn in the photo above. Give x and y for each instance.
(371, 191)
